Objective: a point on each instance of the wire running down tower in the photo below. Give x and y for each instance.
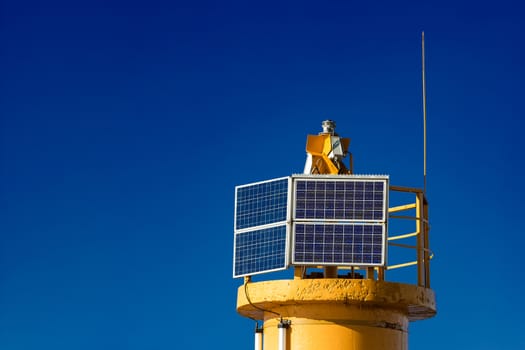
(331, 227)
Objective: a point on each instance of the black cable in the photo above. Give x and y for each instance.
(256, 307)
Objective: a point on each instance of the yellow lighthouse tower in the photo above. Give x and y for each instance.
(330, 227)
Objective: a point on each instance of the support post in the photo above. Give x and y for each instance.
(370, 273)
(426, 229)
(330, 272)
(420, 240)
(282, 327)
(258, 338)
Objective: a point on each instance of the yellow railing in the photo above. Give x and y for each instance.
(421, 247)
(423, 252)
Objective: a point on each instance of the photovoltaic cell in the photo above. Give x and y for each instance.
(261, 203)
(338, 244)
(261, 250)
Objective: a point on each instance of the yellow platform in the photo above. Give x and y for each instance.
(336, 313)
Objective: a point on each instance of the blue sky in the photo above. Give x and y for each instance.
(125, 126)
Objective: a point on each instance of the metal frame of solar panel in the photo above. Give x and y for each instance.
(339, 220)
(261, 227)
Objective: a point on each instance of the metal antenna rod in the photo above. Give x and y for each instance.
(424, 113)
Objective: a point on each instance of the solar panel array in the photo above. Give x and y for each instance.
(261, 213)
(339, 220)
(325, 219)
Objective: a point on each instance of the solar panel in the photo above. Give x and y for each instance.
(259, 251)
(338, 244)
(340, 199)
(339, 220)
(261, 203)
(261, 227)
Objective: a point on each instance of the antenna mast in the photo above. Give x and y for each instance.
(424, 113)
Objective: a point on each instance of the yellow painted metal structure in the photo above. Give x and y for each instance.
(346, 311)
(336, 313)
(320, 146)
